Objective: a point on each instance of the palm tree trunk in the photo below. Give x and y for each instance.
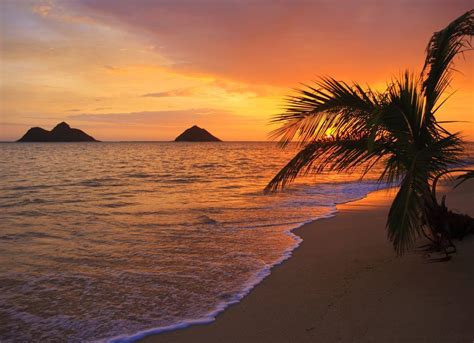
(443, 224)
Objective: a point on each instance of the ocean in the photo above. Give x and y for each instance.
(111, 241)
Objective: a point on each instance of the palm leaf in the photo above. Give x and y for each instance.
(332, 105)
(464, 177)
(341, 155)
(442, 48)
(405, 215)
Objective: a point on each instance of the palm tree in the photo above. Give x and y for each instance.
(397, 128)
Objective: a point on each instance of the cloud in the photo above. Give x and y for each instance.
(231, 87)
(215, 88)
(170, 93)
(162, 117)
(280, 42)
(43, 7)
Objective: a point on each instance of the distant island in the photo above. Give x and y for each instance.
(196, 134)
(61, 133)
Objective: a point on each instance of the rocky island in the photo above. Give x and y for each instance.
(196, 134)
(61, 133)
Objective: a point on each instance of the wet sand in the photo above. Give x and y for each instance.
(345, 284)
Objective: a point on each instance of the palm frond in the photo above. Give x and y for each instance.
(331, 105)
(403, 114)
(405, 215)
(441, 154)
(469, 174)
(442, 48)
(341, 155)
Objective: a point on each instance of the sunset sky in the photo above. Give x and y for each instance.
(148, 69)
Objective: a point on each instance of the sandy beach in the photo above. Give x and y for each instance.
(345, 284)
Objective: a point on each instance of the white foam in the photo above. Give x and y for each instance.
(252, 283)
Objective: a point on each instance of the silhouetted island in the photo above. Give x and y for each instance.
(61, 133)
(196, 134)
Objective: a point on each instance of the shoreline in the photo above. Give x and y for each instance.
(261, 275)
(235, 322)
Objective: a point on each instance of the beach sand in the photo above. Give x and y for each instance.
(345, 284)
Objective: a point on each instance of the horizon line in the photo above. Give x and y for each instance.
(170, 141)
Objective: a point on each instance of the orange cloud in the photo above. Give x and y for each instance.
(173, 92)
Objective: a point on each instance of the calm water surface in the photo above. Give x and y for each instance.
(110, 239)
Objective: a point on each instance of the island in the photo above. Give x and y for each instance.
(196, 134)
(61, 133)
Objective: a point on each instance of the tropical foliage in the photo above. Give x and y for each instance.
(396, 128)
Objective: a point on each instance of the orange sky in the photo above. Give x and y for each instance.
(146, 70)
